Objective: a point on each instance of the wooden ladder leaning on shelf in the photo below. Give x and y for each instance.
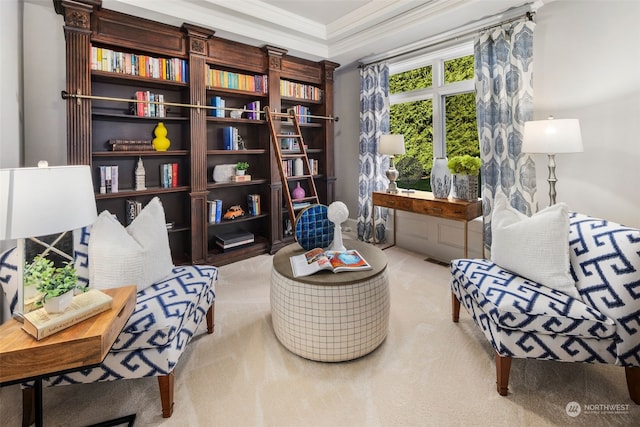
(290, 181)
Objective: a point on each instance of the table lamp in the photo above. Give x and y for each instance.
(42, 201)
(391, 145)
(552, 136)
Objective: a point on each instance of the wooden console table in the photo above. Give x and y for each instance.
(84, 344)
(423, 202)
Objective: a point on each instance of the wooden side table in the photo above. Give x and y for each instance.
(85, 344)
(423, 202)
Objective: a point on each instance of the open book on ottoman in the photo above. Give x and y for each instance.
(318, 259)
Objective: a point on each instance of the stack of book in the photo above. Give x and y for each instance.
(134, 208)
(130, 145)
(169, 175)
(234, 239)
(108, 179)
(254, 110)
(219, 105)
(230, 138)
(253, 204)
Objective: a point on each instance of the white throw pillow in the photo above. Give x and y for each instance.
(137, 255)
(535, 247)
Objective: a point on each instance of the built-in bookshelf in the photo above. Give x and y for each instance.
(209, 94)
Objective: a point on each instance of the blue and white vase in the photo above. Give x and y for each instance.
(440, 178)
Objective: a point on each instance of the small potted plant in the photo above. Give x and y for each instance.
(241, 168)
(464, 170)
(56, 284)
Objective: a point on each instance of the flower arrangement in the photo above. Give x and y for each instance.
(465, 165)
(242, 166)
(50, 280)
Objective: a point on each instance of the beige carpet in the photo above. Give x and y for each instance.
(428, 372)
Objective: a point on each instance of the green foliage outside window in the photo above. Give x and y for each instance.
(415, 120)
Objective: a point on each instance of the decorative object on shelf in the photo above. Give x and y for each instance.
(161, 142)
(391, 145)
(224, 172)
(236, 114)
(298, 192)
(552, 137)
(440, 178)
(241, 168)
(234, 212)
(313, 228)
(298, 169)
(465, 171)
(140, 176)
(337, 213)
(43, 201)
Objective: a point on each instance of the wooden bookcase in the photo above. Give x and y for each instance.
(195, 133)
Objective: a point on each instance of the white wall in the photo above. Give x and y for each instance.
(587, 62)
(587, 57)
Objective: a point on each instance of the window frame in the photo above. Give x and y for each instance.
(438, 90)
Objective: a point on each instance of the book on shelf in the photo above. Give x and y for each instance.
(219, 104)
(168, 175)
(41, 324)
(253, 112)
(108, 179)
(253, 204)
(130, 145)
(234, 239)
(300, 205)
(103, 59)
(318, 259)
(215, 211)
(133, 209)
(230, 138)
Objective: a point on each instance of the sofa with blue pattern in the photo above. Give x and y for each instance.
(524, 319)
(166, 317)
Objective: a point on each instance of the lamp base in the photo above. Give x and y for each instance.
(392, 173)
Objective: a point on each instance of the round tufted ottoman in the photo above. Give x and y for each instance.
(331, 317)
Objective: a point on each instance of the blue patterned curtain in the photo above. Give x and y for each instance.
(504, 101)
(374, 121)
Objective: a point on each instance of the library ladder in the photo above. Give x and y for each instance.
(287, 157)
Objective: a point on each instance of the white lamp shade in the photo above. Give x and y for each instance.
(391, 144)
(45, 200)
(552, 136)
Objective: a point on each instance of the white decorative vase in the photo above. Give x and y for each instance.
(58, 304)
(440, 178)
(465, 187)
(239, 172)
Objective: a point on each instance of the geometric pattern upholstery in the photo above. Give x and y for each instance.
(524, 319)
(165, 318)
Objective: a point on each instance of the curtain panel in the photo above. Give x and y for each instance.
(504, 102)
(374, 121)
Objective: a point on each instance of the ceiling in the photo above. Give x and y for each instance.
(344, 31)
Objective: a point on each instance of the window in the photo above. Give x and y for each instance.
(432, 101)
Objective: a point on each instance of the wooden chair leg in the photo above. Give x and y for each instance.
(503, 366)
(28, 406)
(455, 308)
(166, 393)
(210, 317)
(633, 382)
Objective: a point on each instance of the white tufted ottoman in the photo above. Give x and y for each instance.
(331, 317)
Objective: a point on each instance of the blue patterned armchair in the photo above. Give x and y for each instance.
(166, 317)
(524, 319)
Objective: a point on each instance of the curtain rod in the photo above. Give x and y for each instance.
(529, 15)
(79, 96)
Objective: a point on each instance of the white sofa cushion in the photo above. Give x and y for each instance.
(137, 255)
(535, 247)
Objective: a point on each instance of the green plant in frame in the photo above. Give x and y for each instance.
(465, 165)
(242, 166)
(50, 280)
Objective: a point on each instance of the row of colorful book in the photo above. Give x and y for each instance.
(108, 179)
(229, 80)
(253, 204)
(300, 90)
(174, 69)
(168, 175)
(215, 211)
(148, 109)
(301, 112)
